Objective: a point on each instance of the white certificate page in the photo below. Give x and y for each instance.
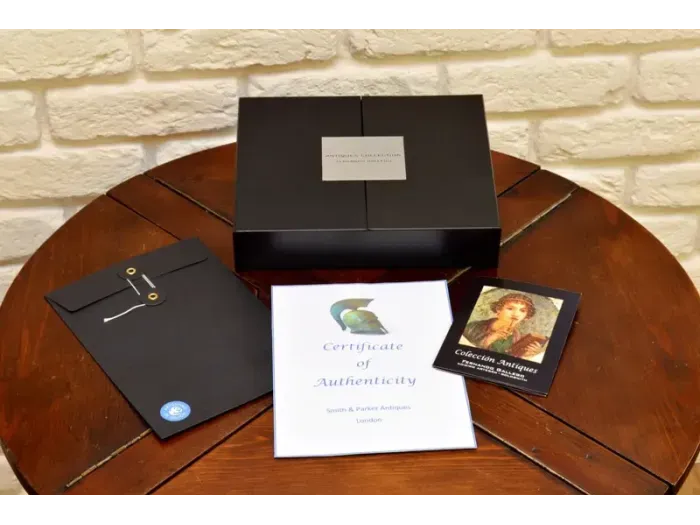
(353, 370)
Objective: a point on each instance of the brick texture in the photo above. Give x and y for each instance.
(376, 43)
(512, 138)
(8, 482)
(608, 183)
(614, 37)
(542, 83)
(145, 109)
(18, 124)
(676, 231)
(7, 275)
(42, 54)
(670, 185)
(414, 80)
(669, 75)
(691, 264)
(171, 50)
(619, 134)
(174, 149)
(63, 173)
(23, 230)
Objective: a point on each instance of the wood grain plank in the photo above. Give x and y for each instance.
(207, 177)
(59, 413)
(244, 464)
(183, 218)
(585, 464)
(519, 208)
(509, 171)
(143, 466)
(178, 216)
(629, 376)
(524, 204)
(175, 214)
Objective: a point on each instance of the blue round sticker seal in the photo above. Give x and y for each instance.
(175, 411)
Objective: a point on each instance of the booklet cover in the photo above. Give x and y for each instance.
(353, 374)
(509, 333)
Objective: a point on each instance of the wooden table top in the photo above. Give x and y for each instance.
(623, 414)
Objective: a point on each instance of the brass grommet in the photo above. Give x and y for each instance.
(153, 296)
(130, 271)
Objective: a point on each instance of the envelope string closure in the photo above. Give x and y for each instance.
(151, 297)
(108, 319)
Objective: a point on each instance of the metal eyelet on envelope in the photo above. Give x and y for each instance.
(154, 298)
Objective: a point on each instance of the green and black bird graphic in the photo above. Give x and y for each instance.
(348, 315)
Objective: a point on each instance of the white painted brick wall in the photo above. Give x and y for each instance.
(24, 229)
(18, 124)
(617, 37)
(349, 80)
(51, 173)
(669, 76)
(609, 183)
(377, 43)
(8, 481)
(7, 275)
(144, 109)
(671, 185)
(619, 133)
(617, 111)
(679, 230)
(510, 136)
(43, 54)
(538, 83)
(174, 149)
(175, 50)
(691, 264)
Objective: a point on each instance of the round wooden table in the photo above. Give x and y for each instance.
(623, 414)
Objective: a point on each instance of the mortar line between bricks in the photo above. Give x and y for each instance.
(14, 261)
(135, 43)
(42, 116)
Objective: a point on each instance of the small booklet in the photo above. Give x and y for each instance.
(353, 371)
(509, 333)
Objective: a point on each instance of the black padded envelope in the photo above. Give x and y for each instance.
(180, 336)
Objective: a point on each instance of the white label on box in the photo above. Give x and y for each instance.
(363, 158)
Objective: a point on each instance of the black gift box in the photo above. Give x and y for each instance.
(444, 214)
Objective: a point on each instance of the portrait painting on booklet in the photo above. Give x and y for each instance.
(512, 322)
(510, 333)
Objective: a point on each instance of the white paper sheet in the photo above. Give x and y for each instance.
(337, 392)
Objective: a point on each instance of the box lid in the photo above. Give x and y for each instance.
(449, 178)
(280, 185)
